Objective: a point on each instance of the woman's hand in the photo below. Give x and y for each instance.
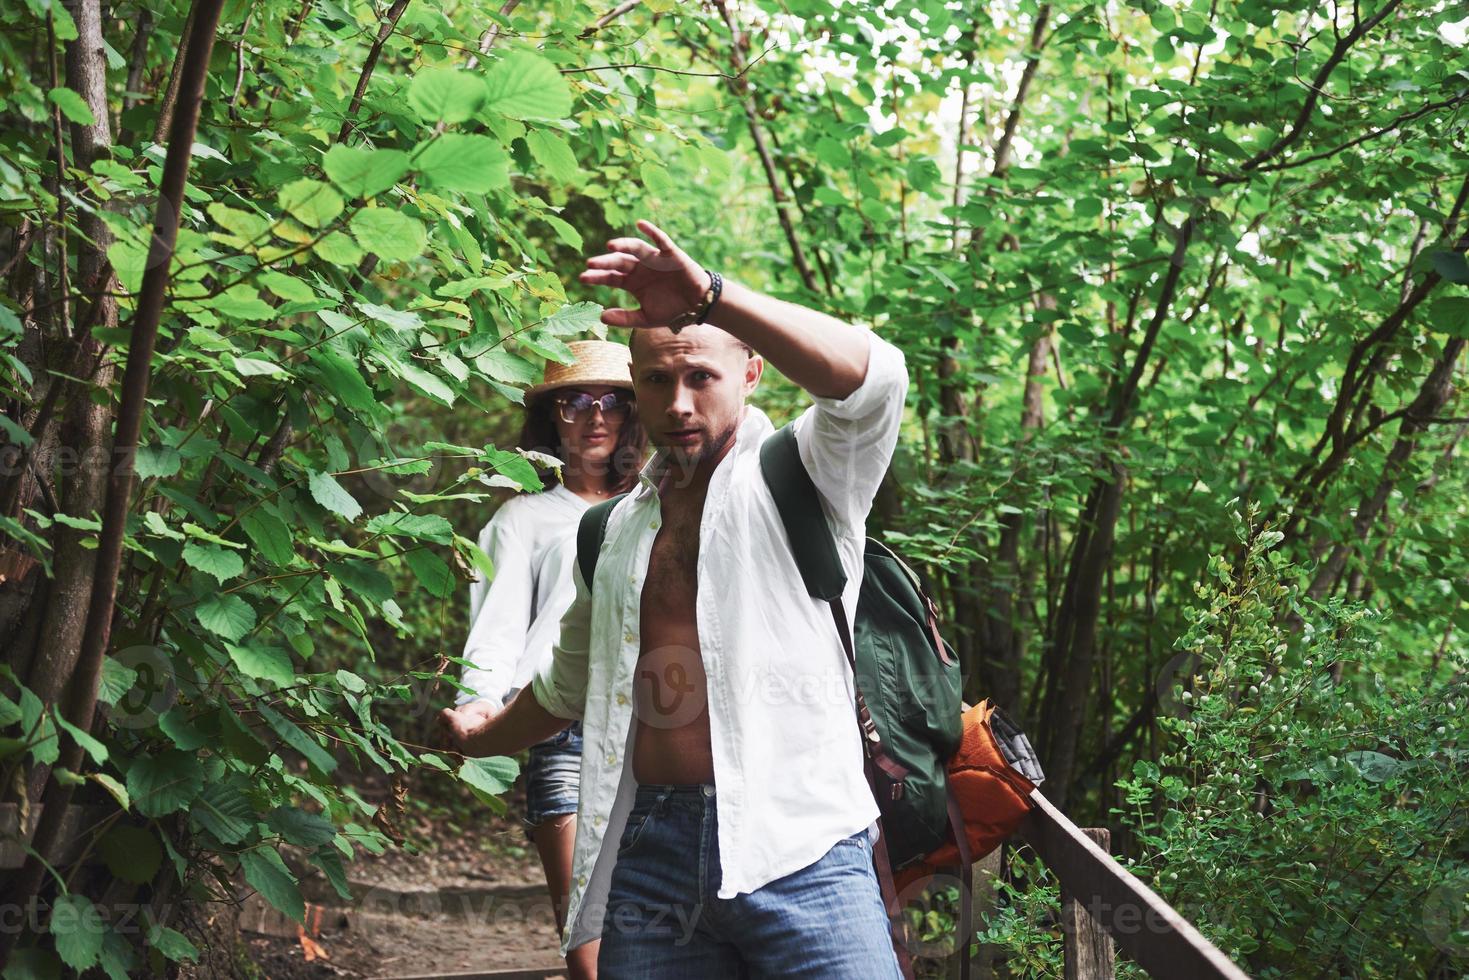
(463, 728)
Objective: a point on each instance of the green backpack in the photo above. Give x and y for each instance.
(908, 683)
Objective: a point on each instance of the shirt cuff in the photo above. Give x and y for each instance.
(547, 697)
(887, 371)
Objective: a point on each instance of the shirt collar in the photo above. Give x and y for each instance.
(754, 427)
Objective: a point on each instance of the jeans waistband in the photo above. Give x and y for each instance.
(685, 794)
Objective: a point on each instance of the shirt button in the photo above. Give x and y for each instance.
(621, 698)
(597, 820)
(628, 637)
(653, 526)
(611, 758)
(581, 880)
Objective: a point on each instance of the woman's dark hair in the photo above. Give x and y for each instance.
(539, 434)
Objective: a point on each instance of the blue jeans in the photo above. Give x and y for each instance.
(664, 918)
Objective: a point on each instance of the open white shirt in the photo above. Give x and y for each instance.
(515, 616)
(787, 752)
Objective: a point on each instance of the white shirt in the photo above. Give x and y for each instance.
(515, 616)
(787, 752)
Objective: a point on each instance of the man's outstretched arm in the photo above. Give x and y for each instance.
(820, 353)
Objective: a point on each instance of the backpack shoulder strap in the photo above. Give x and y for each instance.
(799, 504)
(590, 534)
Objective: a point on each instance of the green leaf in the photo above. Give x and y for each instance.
(267, 874)
(397, 319)
(425, 527)
(242, 303)
(1450, 315)
(493, 775)
(325, 490)
(338, 248)
(175, 723)
(364, 173)
(93, 748)
(218, 562)
(117, 790)
(445, 95)
(311, 202)
(297, 739)
(131, 853)
(506, 367)
(527, 86)
(288, 288)
(225, 811)
(301, 828)
(72, 106)
(226, 615)
(78, 929)
(461, 162)
(163, 783)
(566, 233)
(1452, 266)
(391, 235)
(156, 461)
(553, 153)
(343, 380)
(264, 662)
(427, 383)
(270, 536)
(432, 572)
(172, 944)
(574, 318)
(119, 960)
(253, 366)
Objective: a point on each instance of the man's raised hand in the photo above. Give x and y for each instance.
(659, 275)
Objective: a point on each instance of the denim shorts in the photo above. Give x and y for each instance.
(553, 776)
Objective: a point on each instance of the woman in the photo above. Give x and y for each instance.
(583, 414)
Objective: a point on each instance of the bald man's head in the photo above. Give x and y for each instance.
(633, 342)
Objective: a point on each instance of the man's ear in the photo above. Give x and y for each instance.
(754, 368)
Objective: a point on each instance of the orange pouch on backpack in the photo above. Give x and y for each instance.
(993, 795)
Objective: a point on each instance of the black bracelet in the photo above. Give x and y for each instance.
(716, 286)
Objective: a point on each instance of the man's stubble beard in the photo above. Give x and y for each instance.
(687, 464)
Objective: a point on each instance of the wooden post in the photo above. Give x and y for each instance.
(986, 872)
(1088, 949)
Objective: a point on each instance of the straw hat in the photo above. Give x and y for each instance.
(597, 362)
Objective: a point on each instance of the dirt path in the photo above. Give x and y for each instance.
(471, 899)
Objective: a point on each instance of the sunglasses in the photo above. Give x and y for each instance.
(574, 408)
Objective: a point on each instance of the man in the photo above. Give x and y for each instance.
(743, 829)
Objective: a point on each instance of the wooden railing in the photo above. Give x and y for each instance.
(1102, 903)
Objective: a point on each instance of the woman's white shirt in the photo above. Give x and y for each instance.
(515, 616)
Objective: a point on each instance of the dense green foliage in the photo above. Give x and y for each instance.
(1144, 259)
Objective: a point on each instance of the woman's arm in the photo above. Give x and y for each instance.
(500, 613)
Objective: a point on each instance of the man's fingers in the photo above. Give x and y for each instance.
(624, 318)
(599, 277)
(619, 261)
(660, 238)
(633, 246)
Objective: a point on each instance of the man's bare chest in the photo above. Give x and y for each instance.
(673, 563)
